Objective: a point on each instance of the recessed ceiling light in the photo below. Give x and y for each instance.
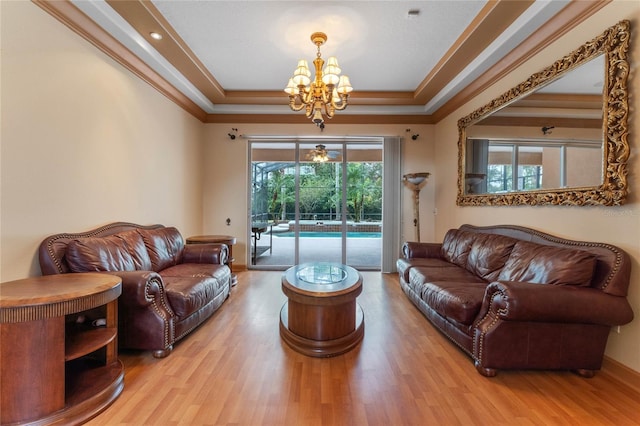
(155, 36)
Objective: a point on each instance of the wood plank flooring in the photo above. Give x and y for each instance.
(235, 370)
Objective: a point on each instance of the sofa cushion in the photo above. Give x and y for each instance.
(92, 254)
(458, 301)
(189, 294)
(136, 248)
(404, 265)
(542, 264)
(124, 251)
(457, 245)
(420, 275)
(488, 255)
(164, 245)
(219, 272)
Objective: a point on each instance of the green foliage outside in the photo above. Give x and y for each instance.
(500, 178)
(321, 192)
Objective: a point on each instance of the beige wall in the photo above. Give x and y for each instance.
(226, 173)
(615, 225)
(84, 142)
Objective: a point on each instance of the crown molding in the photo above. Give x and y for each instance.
(561, 23)
(570, 16)
(82, 25)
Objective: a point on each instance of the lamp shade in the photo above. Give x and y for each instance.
(416, 178)
(344, 86)
(301, 76)
(331, 71)
(329, 77)
(291, 88)
(335, 98)
(333, 63)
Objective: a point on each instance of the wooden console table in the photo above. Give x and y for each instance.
(56, 368)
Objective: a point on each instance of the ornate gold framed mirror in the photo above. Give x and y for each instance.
(558, 138)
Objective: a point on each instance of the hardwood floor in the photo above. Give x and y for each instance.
(235, 370)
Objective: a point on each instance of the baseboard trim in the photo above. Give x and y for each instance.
(621, 373)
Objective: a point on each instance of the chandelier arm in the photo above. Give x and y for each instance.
(343, 105)
(303, 97)
(306, 95)
(330, 88)
(340, 107)
(309, 110)
(292, 104)
(329, 110)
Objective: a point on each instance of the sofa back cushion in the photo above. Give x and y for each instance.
(457, 245)
(489, 254)
(118, 252)
(543, 264)
(164, 245)
(136, 248)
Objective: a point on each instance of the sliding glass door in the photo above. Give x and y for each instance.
(315, 200)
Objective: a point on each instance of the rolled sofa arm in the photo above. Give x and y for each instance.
(521, 301)
(215, 253)
(145, 317)
(412, 249)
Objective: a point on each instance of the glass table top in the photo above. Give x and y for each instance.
(321, 273)
(321, 277)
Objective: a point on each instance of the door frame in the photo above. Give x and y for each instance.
(392, 194)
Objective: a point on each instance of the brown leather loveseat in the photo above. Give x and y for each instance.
(515, 298)
(168, 288)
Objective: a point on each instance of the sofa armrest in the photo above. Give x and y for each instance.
(521, 301)
(412, 249)
(145, 317)
(215, 253)
(142, 288)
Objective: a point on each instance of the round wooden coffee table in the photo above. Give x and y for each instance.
(321, 317)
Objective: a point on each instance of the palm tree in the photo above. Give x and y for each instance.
(364, 188)
(281, 190)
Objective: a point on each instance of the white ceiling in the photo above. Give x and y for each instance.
(255, 45)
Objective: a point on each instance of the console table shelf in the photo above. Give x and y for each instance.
(54, 370)
(81, 343)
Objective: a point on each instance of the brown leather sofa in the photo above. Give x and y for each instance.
(168, 288)
(515, 298)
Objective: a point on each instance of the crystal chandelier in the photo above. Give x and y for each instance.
(321, 97)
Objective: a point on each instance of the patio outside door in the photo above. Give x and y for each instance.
(305, 211)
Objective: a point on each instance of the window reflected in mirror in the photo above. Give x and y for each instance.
(560, 137)
(496, 167)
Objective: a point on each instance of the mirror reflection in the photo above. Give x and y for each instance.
(560, 137)
(551, 139)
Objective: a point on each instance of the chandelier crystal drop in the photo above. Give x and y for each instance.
(326, 94)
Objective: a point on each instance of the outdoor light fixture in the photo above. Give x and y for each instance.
(415, 182)
(321, 97)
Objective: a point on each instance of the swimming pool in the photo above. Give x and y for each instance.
(311, 234)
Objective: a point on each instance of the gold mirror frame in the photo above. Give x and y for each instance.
(614, 44)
